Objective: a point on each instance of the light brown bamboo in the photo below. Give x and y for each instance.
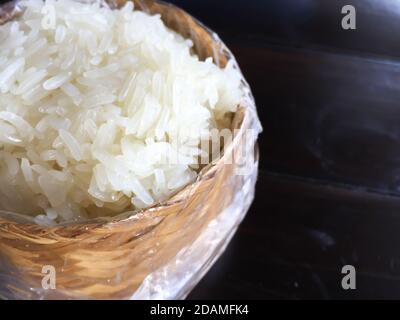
(110, 259)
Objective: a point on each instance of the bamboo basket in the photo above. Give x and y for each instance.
(160, 252)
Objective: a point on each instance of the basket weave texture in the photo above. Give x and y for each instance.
(111, 258)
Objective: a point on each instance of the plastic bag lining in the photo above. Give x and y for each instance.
(174, 278)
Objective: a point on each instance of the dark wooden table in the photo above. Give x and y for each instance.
(329, 183)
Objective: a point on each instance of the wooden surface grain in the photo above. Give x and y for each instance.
(328, 190)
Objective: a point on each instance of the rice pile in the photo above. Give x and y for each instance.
(92, 101)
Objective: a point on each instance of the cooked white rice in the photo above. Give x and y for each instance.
(92, 101)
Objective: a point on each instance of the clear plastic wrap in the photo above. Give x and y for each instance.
(157, 253)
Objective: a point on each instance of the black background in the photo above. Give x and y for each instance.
(329, 183)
